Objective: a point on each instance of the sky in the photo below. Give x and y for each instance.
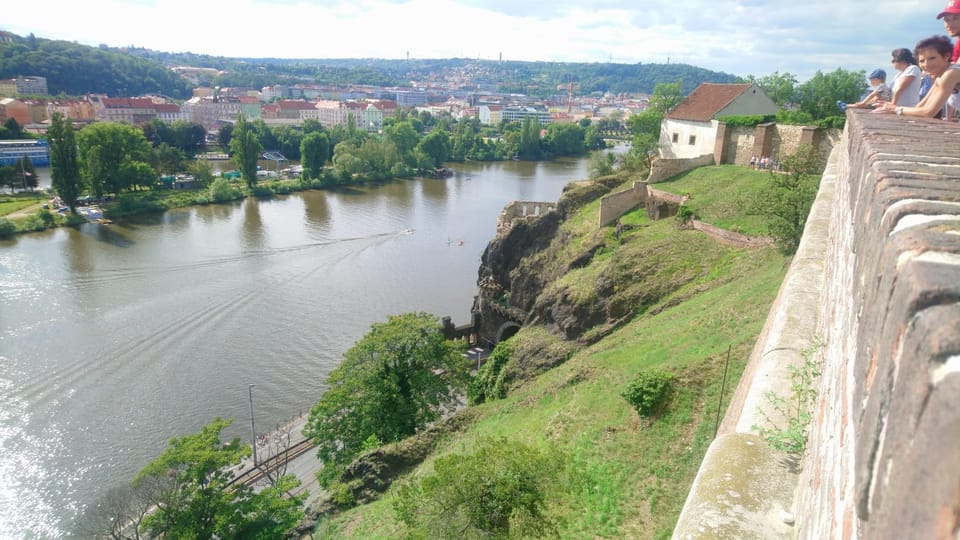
(741, 37)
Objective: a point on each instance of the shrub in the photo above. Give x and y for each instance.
(649, 392)
(500, 490)
(221, 190)
(489, 382)
(795, 117)
(46, 217)
(748, 120)
(7, 228)
(262, 192)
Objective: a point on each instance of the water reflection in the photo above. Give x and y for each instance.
(316, 213)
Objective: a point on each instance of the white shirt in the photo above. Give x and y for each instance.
(911, 94)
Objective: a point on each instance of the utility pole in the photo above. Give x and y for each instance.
(253, 430)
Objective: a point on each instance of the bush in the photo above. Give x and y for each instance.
(489, 382)
(46, 217)
(795, 117)
(831, 122)
(500, 490)
(7, 228)
(263, 192)
(649, 392)
(748, 120)
(221, 190)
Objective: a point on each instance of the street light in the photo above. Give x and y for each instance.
(253, 431)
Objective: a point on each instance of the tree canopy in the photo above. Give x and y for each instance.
(393, 381)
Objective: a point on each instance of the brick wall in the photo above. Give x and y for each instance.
(876, 280)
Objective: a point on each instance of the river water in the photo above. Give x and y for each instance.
(115, 338)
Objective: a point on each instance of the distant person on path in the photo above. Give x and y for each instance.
(933, 54)
(951, 23)
(906, 85)
(881, 92)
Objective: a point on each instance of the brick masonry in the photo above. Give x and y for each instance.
(877, 281)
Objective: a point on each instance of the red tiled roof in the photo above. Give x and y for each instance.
(706, 101)
(248, 99)
(167, 107)
(291, 105)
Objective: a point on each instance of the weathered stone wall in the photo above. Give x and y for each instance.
(614, 205)
(876, 281)
(891, 325)
(663, 168)
(520, 210)
(773, 140)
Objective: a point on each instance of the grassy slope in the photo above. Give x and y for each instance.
(723, 195)
(640, 473)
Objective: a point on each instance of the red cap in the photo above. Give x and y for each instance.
(953, 6)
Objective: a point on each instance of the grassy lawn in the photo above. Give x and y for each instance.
(723, 195)
(638, 471)
(11, 203)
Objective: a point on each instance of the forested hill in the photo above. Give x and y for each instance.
(531, 78)
(75, 69)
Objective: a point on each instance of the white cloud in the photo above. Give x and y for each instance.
(735, 36)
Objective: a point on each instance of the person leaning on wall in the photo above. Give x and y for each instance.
(933, 54)
(906, 84)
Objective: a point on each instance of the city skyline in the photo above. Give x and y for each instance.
(746, 37)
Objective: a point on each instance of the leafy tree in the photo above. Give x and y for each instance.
(665, 97)
(393, 381)
(12, 129)
(26, 173)
(225, 135)
(197, 499)
(565, 139)
(781, 88)
(437, 146)
(498, 491)
(819, 95)
(787, 201)
(246, 149)
(314, 150)
(166, 158)
(601, 164)
(404, 137)
(530, 139)
(202, 170)
(105, 148)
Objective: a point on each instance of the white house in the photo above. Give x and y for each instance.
(689, 130)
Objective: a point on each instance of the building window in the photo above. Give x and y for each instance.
(676, 137)
(693, 140)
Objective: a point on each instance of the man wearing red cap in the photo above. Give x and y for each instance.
(951, 22)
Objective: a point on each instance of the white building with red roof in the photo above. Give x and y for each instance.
(689, 130)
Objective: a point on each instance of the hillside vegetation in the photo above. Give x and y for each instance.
(682, 303)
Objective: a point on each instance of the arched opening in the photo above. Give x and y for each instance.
(507, 331)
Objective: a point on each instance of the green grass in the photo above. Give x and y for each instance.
(723, 195)
(11, 203)
(636, 472)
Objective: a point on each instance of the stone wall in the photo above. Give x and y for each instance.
(663, 168)
(616, 204)
(520, 210)
(737, 144)
(876, 283)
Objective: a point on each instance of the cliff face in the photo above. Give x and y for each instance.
(518, 264)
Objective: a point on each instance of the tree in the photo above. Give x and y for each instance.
(665, 97)
(314, 150)
(787, 200)
(105, 148)
(26, 173)
(246, 150)
(393, 381)
(198, 500)
(781, 88)
(819, 95)
(404, 137)
(497, 491)
(436, 145)
(530, 139)
(564, 139)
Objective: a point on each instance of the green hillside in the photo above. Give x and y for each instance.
(620, 476)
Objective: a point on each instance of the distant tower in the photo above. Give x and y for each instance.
(501, 57)
(408, 55)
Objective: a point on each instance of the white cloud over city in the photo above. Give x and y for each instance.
(741, 37)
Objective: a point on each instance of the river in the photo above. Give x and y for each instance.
(114, 338)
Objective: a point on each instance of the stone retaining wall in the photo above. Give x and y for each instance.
(876, 281)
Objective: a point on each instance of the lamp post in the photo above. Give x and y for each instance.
(253, 430)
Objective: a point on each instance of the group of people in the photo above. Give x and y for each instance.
(763, 162)
(929, 90)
